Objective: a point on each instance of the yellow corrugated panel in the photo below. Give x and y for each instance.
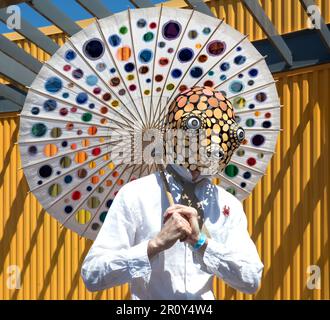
(287, 212)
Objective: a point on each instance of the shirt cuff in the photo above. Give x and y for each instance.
(138, 260)
(212, 254)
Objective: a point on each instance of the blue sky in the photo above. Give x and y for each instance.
(71, 8)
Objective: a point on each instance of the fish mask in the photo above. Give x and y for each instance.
(205, 135)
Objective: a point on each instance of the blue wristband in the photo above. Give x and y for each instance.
(201, 240)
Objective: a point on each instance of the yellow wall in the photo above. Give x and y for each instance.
(287, 212)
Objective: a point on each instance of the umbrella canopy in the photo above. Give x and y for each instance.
(119, 76)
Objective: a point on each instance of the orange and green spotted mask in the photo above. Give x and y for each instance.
(205, 133)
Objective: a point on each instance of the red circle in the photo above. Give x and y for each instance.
(208, 83)
(97, 90)
(63, 111)
(152, 25)
(132, 87)
(251, 161)
(106, 96)
(73, 109)
(67, 67)
(268, 115)
(76, 195)
(163, 61)
(96, 151)
(183, 87)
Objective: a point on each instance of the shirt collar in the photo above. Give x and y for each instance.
(186, 175)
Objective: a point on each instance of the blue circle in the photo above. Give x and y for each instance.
(239, 48)
(68, 209)
(145, 55)
(50, 105)
(53, 84)
(148, 80)
(35, 110)
(225, 66)
(185, 54)
(89, 188)
(109, 203)
(65, 95)
(196, 72)
(91, 106)
(253, 72)
(251, 106)
(206, 30)
(266, 124)
(176, 73)
(223, 77)
(114, 40)
(64, 144)
(67, 179)
(91, 80)
(243, 184)
(81, 98)
(236, 86)
(247, 175)
(210, 73)
(112, 70)
(70, 55)
(129, 67)
(239, 60)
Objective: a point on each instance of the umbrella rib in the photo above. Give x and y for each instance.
(120, 124)
(256, 149)
(83, 89)
(239, 71)
(257, 109)
(170, 67)
(134, 57)
(193, 61)
(263, 129)
(61, 120)
(92, 172)
(61, 139)
(82, 202)
(100, 77)
(105, 198)
(161, 120)
(65, 154)
(246, 167)
(119, 73)
(153, 68)
(252, 90)
(234, 183)
(66, 172)
(222, 58)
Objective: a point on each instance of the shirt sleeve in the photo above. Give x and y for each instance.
(113, 258)
(232, 256)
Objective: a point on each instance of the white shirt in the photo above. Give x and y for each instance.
(119, 253)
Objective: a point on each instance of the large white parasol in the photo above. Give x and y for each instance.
(118, 76)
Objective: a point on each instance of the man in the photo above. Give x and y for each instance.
(161, 251)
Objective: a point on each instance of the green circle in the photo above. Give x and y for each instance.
(231, 190)
(86, 117)
(123, 30)
(250, 122)
(39, 129)
(102, 216)
(148, 36)
(170, 86)
(231, 170)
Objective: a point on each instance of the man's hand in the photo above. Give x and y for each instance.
(176, 227)
(191, 215)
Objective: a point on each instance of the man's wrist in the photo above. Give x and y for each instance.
(154, 247)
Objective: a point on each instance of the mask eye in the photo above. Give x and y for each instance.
(194, 123)
(240, 134)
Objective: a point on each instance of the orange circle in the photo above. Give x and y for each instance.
(223, 105)
(208, 92)
(80, 157)
(202, 106)
(50, 150)
(213, 102)
(219, 95)
(189, 107)
(194, 98)
(217, 113)
(124, 53)
(178, 115)
(92, 130)
(85, 143)
(182, 102)
(95, 179)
